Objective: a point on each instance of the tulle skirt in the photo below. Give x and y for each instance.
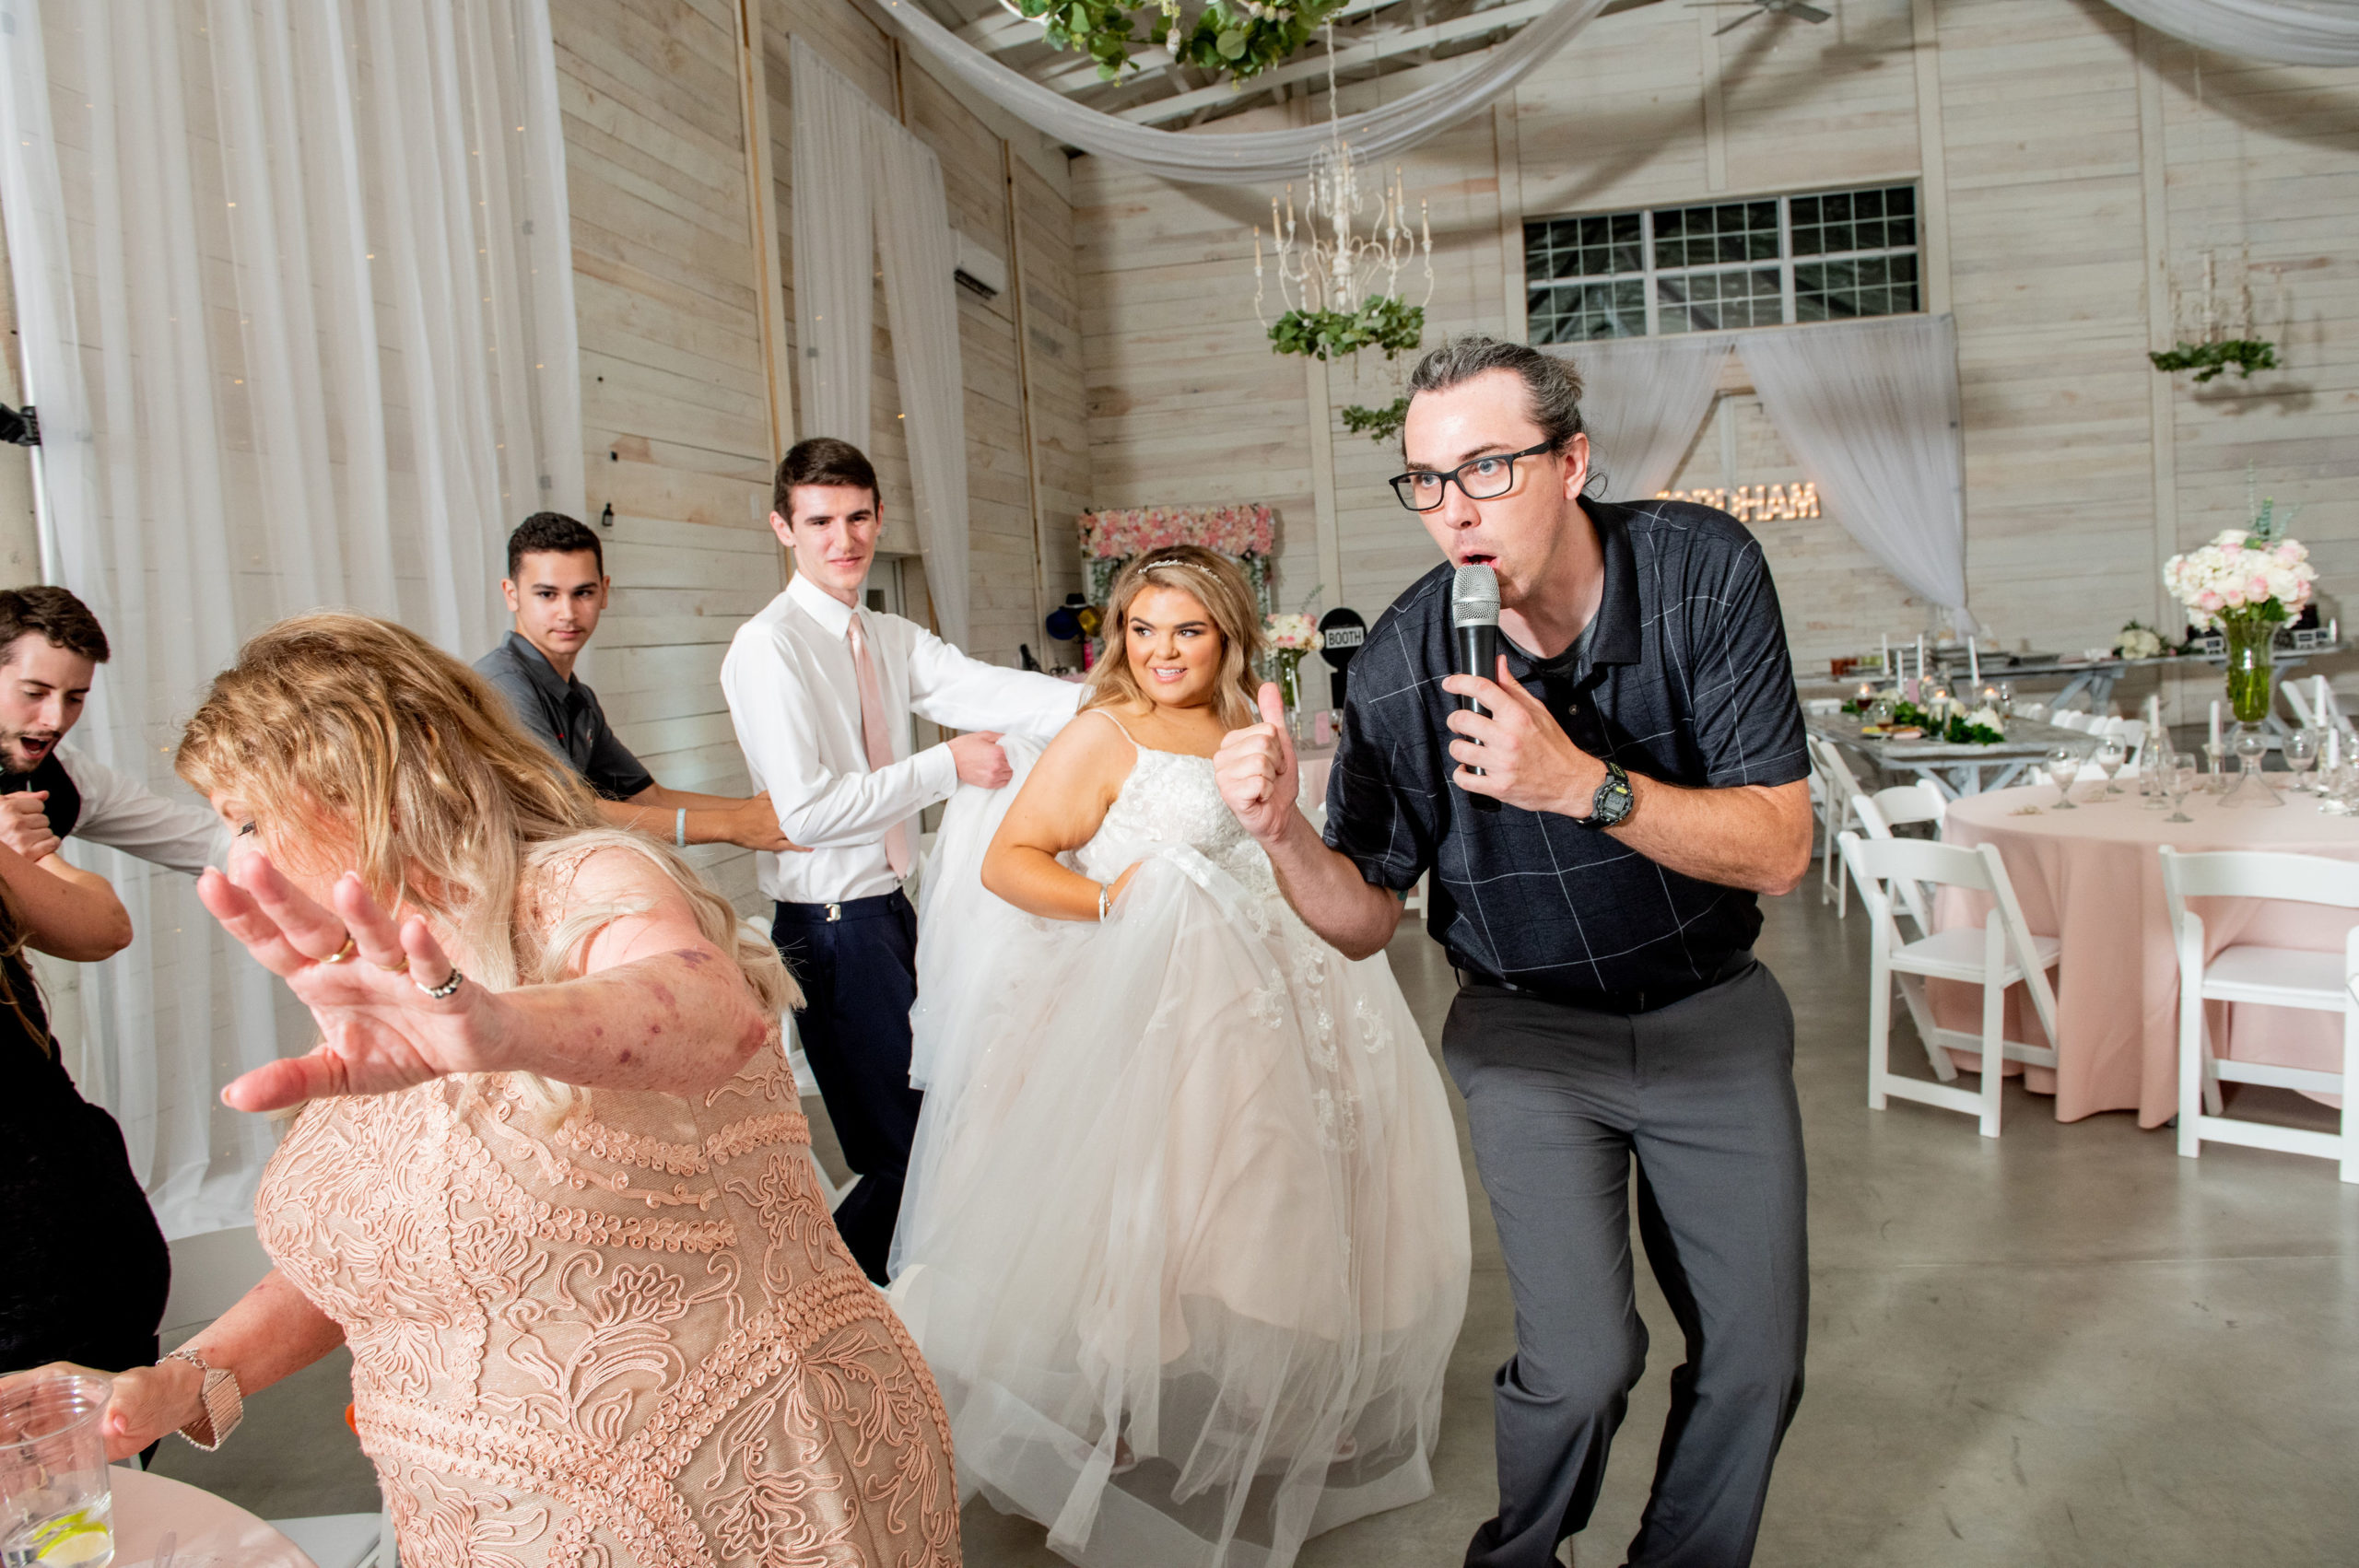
(1185, 1239)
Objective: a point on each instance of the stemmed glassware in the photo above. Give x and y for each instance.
(2217, 753)
(2178, 780)
(2110, 754)
(2301, 756)
(2063, 768)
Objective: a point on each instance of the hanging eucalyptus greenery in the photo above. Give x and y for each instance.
(1382, 322)
(1378, 424)
(2244, 354)
(1239, 39)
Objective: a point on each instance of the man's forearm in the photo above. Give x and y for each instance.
(1355, 916)
(1752, 836)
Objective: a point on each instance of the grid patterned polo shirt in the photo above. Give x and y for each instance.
(1683, 676)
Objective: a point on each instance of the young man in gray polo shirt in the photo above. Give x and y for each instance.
(1644, 745)
(556, 589)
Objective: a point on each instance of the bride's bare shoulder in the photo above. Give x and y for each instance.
(1096, 746)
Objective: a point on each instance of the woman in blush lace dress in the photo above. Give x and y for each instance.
(1185, 1239)
(549, 1182)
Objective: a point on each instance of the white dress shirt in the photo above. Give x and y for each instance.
(122, 813)
(796, 703)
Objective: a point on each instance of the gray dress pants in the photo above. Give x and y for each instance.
(1700, 1096)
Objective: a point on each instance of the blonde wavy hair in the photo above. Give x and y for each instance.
(1217, 584)
(357, 743)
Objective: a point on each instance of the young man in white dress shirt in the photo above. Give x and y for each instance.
(51, 648)
(821, 691)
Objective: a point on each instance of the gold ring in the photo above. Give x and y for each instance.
(400, 968)
(351, 945)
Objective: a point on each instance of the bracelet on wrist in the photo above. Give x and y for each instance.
(680, 828)
(1105, 901)
(220, 1402)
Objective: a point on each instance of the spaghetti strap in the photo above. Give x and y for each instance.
(1108, 715)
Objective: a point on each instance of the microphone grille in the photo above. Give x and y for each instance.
(1475, 597)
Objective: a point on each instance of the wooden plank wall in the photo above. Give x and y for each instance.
(674, 398)
(2064, 154)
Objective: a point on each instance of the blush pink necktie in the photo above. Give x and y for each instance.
(876, 738)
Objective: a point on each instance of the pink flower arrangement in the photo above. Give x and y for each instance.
(2239, 577)
(1232, 531)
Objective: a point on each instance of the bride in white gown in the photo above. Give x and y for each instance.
(1185, 1238)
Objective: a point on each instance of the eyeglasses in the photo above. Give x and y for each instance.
(1422, 489)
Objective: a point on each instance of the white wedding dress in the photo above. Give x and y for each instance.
(1185, 1237)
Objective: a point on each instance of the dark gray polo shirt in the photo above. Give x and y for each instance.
(1683, 676)
(563, 714)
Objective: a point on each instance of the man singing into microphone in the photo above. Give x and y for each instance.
(1643, 743)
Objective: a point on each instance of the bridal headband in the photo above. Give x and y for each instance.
(1181, 561)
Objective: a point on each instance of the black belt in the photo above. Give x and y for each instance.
(882, 904)
(1646, 1000)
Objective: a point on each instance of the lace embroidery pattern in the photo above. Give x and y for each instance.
(547, 1379)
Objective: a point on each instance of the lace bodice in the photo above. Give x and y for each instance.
(1170, 798)
(632, 1337)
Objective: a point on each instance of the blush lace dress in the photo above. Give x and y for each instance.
(1185, 1239)
(630, 1339)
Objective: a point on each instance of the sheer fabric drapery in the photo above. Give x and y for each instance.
(295, 284)
(864, 186)
(1246, 158)
(1869, 409)
(834, 238)
(2286, 33)
(1643, 400)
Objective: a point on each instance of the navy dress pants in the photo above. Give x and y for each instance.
(857, 963)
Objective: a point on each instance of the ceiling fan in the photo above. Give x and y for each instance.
(1800, 9)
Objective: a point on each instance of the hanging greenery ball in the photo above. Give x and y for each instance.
(1238, 38)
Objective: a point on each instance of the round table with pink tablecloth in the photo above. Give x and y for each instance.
(2092, 878)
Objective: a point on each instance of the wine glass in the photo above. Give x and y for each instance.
(2301, 756)
(2179, 781)
(2110, 754)
(2006, 699)
(2216, 752)
(2063, 767)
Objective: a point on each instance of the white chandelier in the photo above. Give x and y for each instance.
(1366, 233)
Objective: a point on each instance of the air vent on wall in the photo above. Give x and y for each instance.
(978, 269)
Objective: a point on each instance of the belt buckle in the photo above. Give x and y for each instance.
(835, 913)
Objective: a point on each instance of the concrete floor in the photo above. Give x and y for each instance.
(2065, 1346)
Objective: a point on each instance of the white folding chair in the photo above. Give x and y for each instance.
(1839, 788)
(2267, 977)
(1879, 813)
(2032, 709)
(2069, 719)
(2003, 954)
(2312, 715)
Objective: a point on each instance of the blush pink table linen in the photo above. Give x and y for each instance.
(2092, 877)
(211, 1531)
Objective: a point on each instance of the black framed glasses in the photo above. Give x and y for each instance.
(1422, 489)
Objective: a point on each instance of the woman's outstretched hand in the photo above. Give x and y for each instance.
(383, 1031)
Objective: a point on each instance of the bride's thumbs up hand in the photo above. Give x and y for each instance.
(1255, 770)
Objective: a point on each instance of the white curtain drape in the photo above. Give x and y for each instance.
(1869, 409)
(1643, 400)
(1246, 157)
(2286, 33)
(295, 284)
(865, 187)
(915, 252)
(834, 239)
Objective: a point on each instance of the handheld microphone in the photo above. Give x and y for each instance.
(1474, 636)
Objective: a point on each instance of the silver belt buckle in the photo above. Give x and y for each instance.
(835, 913)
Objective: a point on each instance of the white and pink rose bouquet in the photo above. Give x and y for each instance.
(2240, 577)
(1293, 632)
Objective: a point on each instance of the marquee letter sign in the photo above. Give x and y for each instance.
(1754, 503)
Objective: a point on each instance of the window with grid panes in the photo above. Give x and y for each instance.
(1763, 261)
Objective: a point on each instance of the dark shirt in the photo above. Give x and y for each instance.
(86, 1271)
(64, 807)
(564, 716)
(1683, 676)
